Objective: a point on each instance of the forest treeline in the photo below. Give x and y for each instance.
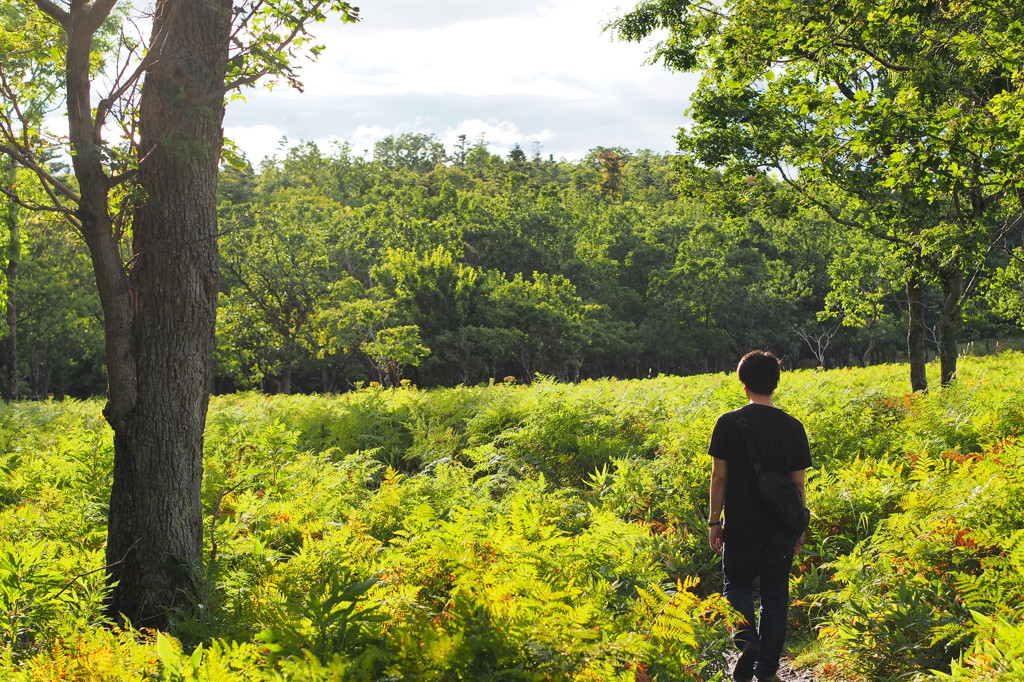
(460, 266)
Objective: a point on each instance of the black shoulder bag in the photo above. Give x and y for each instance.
(778, 491)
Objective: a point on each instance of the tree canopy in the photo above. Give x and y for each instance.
(899, 119)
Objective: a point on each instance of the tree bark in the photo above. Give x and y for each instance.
(952, 293)
(160, 348)
(915, 334)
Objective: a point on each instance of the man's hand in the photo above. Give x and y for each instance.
(716, 500)
(715, 538)
(798, 545)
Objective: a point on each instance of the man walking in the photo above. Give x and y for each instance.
(755, 547)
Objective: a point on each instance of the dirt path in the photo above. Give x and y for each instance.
(786, 671)
(789, 674)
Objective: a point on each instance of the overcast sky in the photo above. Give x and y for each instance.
(538, 73)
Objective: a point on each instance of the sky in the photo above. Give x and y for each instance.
(538, 73)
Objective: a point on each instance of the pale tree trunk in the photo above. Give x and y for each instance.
(952, 293)
(915, 334)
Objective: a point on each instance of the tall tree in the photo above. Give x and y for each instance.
(555, 326)
(900, 119)
(147, 212)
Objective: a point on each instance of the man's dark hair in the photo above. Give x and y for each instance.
(759, 371)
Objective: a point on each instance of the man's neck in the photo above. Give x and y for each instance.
(758, 399)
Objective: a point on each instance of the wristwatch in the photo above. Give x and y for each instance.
(714, 523)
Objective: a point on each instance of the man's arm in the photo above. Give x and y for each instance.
(716, 501)
(798, 478)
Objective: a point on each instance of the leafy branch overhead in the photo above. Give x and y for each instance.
(270, 37)
(874, 100)
(268, 41)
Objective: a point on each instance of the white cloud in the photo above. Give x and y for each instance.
(500, 136)
(438, 13)
(257, 141)
(557, 49)
(519, 73)
(365, 137)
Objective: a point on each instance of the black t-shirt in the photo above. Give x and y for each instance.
(782, 446)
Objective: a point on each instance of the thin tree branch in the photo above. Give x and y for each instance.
(831, 212)
(26, 160)
(871, 53)
(37, 207)
(54, 11)
(845, 89)
(115, 180)
(107, 103)
(296, 32)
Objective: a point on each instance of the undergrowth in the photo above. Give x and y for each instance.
(541, 532)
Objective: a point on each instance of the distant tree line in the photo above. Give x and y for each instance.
(454, 267)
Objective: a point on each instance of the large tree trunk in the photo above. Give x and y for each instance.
(159, 308)
(952, 293)
(915, 334)
(160, 350)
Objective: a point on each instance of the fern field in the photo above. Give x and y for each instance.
(541, 532)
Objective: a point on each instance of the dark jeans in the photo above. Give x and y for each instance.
(769, 557)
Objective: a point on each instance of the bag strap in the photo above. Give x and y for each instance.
(748, 438)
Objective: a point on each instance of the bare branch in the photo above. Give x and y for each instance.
(115, 180)
(818, 340)
(1005, 230)
(33, 206)
(75, 579)
(26, 160)
(54, 11)
(107, 103)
